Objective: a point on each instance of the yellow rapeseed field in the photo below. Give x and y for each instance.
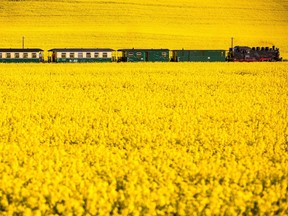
(189, 24)
(144, 138)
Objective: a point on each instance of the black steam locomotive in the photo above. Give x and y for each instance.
(254, 54)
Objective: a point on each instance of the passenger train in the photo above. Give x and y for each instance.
(73, 55)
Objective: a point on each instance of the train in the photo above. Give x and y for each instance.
(78, 55)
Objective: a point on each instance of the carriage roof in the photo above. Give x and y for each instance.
(21, 50)
(81, 50)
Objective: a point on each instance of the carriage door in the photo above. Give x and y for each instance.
(54, 56)
(146, 56)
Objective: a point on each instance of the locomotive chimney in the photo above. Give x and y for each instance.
(273, 47)
(232, 46)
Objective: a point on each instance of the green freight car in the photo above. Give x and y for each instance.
(198, 55)
(21, 55)
(144, 55)
(80, 55)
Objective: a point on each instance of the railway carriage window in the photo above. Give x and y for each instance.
(0, 55)
(17, 55)
(96, 55)
(80, 55)
(88, 55)
(72, 55)
(164, 54)
(130, 54)
(34, 55)
(105, 55)
(8, 55)
(63, 55)
(25, 55)
(139, 54)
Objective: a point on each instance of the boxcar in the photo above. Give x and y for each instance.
(21, 55)
(198, 55)
(81, 55)
(144, 55)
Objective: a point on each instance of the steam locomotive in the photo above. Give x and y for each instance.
(254, 54)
